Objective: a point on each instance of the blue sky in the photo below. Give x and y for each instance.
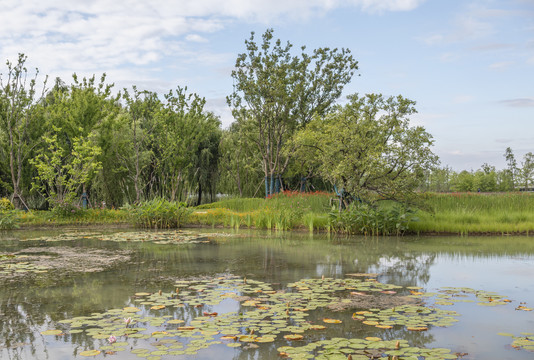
(468, 64)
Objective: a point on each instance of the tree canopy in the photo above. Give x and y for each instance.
(277, 92)
(368, 148)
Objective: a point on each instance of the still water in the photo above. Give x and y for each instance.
(33, 304)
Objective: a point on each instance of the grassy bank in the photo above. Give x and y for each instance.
(457, 213)
(471, 213)
(284, 211)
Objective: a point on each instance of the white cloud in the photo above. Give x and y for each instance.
(501, 65)
(519, 102)
(196, 38)
(96, 36)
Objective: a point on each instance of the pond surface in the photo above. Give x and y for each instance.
(257, 287)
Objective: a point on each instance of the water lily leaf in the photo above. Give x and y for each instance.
(373, 338)
(90, 353)
(332, 321)
(51, 332)
(293, 337)
(233, 345)
(131, 309)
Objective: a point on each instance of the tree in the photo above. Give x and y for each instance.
(61, 174)
(239, 168)
(18, 115)
(276, 92)
(142, 107)
(512, 165)
(185, 146)
(527, 170)
(368, 148)
(85, 109)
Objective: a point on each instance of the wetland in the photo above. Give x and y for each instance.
(249, 294)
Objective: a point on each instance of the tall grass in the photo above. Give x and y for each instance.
(282, 211)
(465, 213)
(160, 214)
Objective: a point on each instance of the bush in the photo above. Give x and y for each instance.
(8, 219)
(6, 205)
(65, 209)
(362, 218)
(160, 214)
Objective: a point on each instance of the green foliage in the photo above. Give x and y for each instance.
(9, 220)
(464, 213)
(19, 121)
(275, 92)
(61, 174)
(368, 148)
(366, 219)
(160, 214)
(6, 204)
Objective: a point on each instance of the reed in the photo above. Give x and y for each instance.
(464, 213)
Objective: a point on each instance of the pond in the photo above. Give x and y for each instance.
(242, 294)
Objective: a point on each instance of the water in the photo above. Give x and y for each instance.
(501, 264)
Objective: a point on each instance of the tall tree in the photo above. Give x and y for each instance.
(18, 114)
(142, 107)
(527, 170)
(183, 127)
(275, 92)
(512, 165)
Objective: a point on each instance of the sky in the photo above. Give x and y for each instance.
(469, 64)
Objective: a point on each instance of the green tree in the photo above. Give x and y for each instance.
(142, 107)
(368, 148)
(60, 174)
(276, 92)
(184, 130)
(463, 181)
(87, 109)
(527, 170)
(19, 116)
(512, 165)
(240, 167)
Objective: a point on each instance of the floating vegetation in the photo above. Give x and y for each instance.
(10, 264)
(158, 237)
(415, 318)
(525, 342)
(63, 260)
(362, 349)
(157, 324)
(451, 295)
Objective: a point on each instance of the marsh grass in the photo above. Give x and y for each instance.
(284, 211)
(465, 213)
(80, 217)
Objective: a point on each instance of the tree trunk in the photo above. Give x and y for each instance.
(199, 199)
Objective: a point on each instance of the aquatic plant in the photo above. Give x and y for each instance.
(366, 219)
(160, 214)
(9, 220)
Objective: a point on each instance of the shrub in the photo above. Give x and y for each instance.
(6, 205)
(362, 218)
(8, 220)
(160, 214)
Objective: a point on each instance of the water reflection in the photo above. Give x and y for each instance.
(37, 304)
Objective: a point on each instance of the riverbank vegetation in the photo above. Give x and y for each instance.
(294, 157)
(438, 213)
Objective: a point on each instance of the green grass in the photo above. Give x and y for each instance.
(284, 211)
(457, 213)
(465, 213)
(82, 217)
